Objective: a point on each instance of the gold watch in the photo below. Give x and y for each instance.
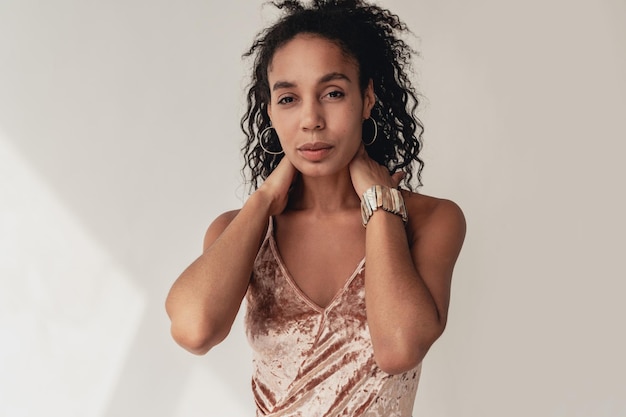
(386, 198)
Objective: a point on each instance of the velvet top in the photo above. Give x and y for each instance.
(310, 361)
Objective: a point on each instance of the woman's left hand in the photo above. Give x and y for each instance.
(365, 173)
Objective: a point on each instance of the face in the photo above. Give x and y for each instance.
(316, 104)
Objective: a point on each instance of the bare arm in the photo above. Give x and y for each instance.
(407, 283)
(204, 301)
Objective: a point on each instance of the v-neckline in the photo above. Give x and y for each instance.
(292, 282)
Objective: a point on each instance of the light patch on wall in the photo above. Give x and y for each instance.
(68, 312)
(194, 401)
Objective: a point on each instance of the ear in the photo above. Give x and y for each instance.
(369, 99)
(269, 109)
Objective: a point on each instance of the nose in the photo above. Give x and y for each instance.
(311, 117)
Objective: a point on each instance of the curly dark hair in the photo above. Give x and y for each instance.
(366, 33)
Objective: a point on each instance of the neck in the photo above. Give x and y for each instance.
(324, 194)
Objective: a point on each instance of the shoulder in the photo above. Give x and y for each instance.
(218, 225)
(434, 217)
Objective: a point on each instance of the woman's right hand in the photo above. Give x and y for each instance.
(276, 187)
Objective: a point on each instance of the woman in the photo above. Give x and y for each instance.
(339, 315)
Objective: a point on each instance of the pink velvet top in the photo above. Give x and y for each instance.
(311, 361)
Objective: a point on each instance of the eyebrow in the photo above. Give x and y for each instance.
(324, 79)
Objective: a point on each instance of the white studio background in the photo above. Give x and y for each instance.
(119, 143)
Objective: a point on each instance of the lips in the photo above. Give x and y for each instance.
(316, 146)
(315, 151)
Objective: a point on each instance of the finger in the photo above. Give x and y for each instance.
(359, 153)
(286, 166)
(397, 177)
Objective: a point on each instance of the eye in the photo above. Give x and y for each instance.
(286, 100)
(335, 94)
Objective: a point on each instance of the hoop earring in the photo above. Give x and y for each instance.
(375, 131)
(262, 136)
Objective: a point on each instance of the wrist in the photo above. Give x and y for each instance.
(259, 202)
(381, 197)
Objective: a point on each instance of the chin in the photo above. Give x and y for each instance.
(321, 170)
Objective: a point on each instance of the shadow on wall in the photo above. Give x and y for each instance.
(108, 159)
